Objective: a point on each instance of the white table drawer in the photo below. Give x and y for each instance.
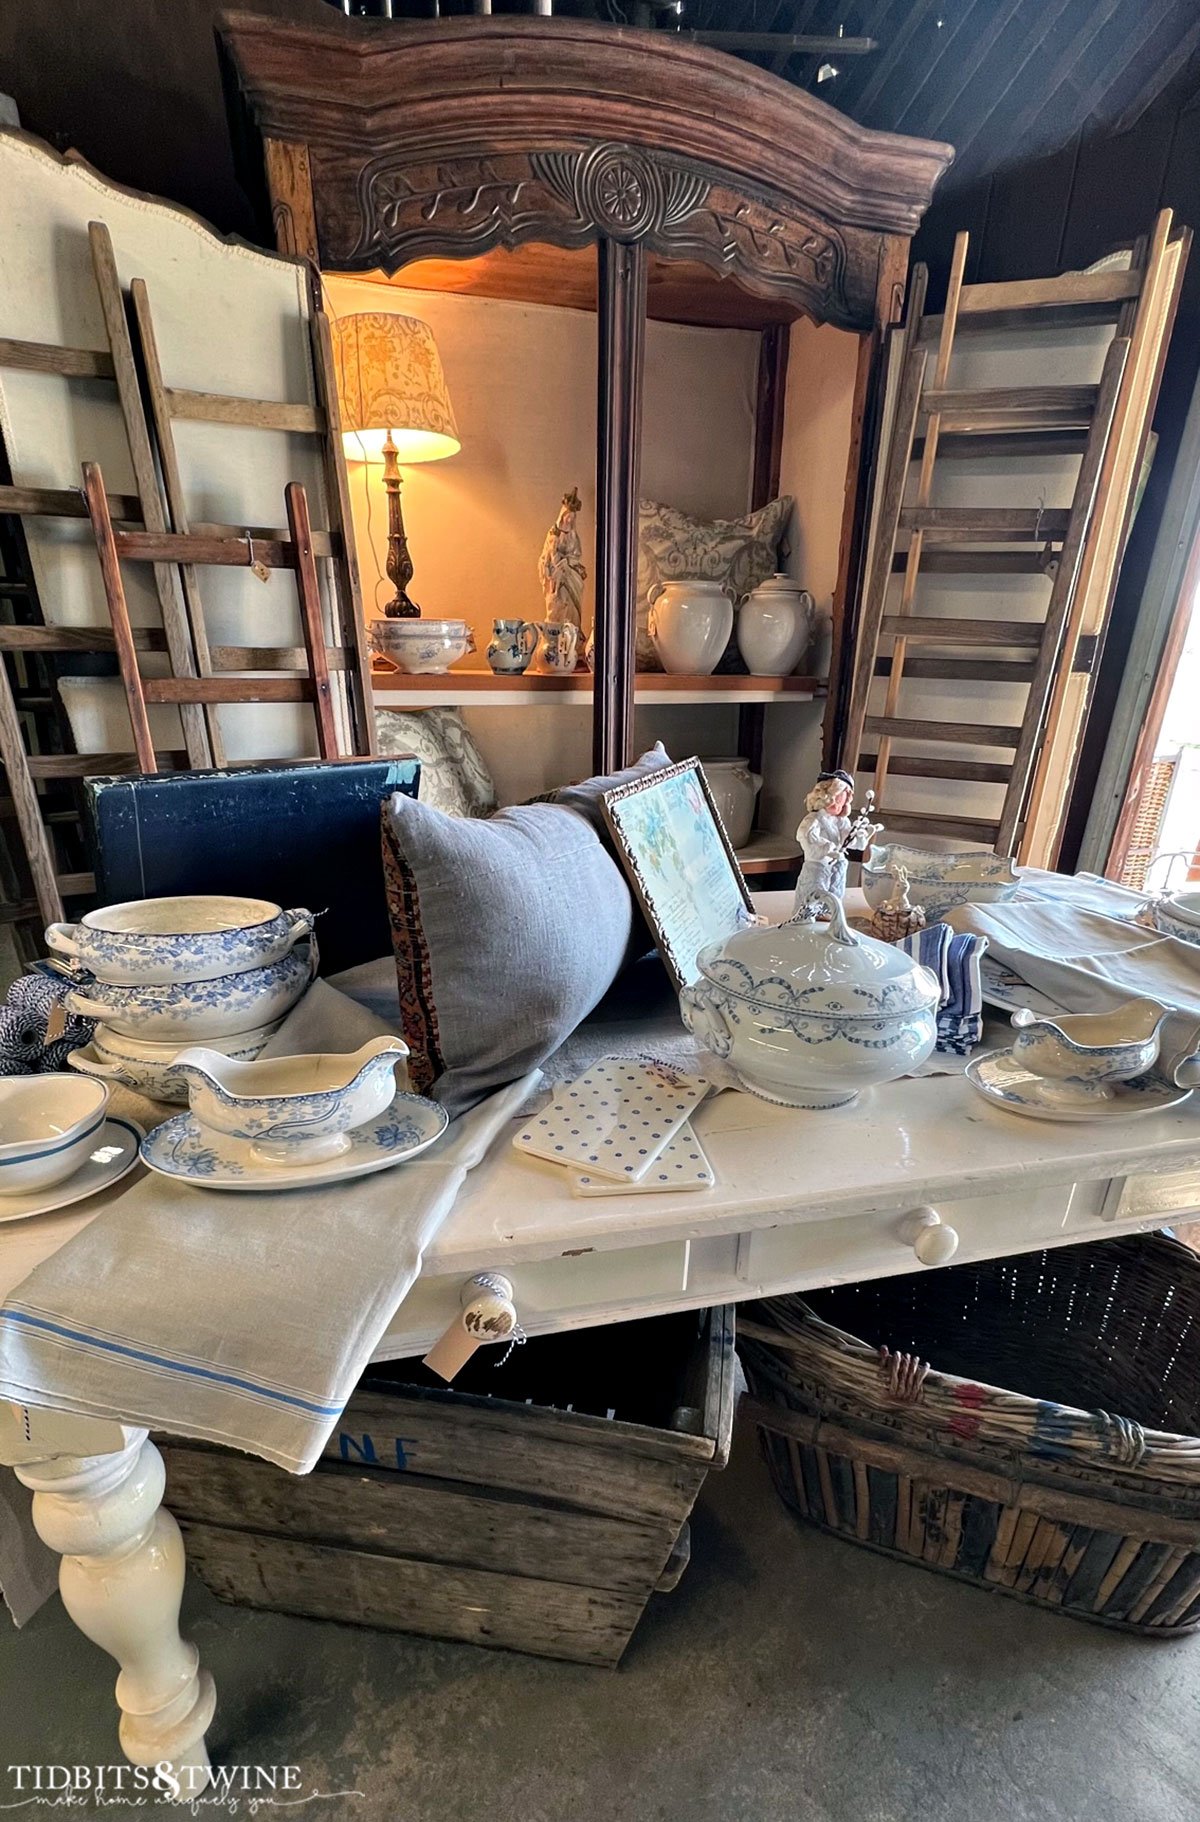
(548, 1293)
(880, 1242)
(1173, 1195)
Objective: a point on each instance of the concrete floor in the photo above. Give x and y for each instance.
(790, 1678)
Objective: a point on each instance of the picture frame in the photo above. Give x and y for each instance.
(679, 862)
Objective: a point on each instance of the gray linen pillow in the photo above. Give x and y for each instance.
(587, 795)
(506, 933)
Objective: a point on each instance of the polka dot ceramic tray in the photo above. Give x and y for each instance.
(681, 1164)
(614, 1120)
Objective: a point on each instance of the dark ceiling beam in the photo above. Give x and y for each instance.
(800, 44)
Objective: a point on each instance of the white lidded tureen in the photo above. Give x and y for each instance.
(807, 1013)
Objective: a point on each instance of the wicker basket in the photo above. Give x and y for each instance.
(1026, 1490)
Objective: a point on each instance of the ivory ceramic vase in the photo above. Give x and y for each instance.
(690, 624)
(774, 626)
(735, 791)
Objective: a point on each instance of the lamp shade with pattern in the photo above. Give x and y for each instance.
(389, 378)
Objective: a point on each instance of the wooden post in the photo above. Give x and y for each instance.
(114, 588)
(622, 342)
(309, 591)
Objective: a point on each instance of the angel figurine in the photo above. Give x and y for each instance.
(825, 835)
(560, 566)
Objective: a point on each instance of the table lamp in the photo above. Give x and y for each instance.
(395, 408)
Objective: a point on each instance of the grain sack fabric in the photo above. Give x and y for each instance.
(675, 546)
(507, 932)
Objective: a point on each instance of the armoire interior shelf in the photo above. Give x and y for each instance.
(448, 689)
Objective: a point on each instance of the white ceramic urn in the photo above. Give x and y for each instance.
(808, 1013)
(690, 624)
(735, 791)
(774, 626)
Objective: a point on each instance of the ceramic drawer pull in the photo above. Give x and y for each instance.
(931, 1239)
(488, 1315)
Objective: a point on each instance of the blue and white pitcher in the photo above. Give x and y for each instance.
(511, 646)
(557, 648)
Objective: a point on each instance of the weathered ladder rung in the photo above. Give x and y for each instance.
(994, 408)
(1088, 293)
(962, 670)
(981, 524)
(985, 445)
(910, 822)
(962, 733)
(913, 765)
(976, 562)
(930, 629)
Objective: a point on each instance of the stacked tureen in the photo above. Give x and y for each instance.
(162, 973)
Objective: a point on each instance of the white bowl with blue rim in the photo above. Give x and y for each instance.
(295, 1109)
(49, 1127)
(191, 1011)
(1178, 916)
(151, 942)
(422, 646)
(938, 882)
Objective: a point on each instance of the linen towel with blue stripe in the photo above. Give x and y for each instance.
(955, 961)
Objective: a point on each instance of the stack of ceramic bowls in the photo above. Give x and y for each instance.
(158, 974)
(429, 646)
(1178, 915)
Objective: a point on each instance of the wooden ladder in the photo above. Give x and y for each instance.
(192, 549)
(911, 537)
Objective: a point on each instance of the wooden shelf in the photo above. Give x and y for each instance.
(769, 853)
(448, 689)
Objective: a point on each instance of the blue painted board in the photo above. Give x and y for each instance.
(302, 833)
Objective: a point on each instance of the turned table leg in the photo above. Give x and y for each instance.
(121, 1579)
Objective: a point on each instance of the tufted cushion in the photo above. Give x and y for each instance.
(674, 546)
(454, 775)
(506, 933)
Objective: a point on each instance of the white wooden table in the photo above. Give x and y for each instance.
(802, 1199)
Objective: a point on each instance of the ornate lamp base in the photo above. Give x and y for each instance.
(399, 562)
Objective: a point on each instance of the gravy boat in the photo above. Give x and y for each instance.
(292, 1110)
(1080, 1055)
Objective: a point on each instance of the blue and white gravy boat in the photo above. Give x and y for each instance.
(294, 1110)
(1081, 1056)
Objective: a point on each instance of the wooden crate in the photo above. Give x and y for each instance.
(499, 1518)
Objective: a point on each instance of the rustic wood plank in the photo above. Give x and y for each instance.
(912, 765)
(962, 670)
(987, 445)
(166, 577)
(176, 502)
(475, 1606)
(1062, 594)
(65, 503)
(210, 690)
(312, 625)
(981, 562)
(1068, 290)
(260, 414)
(274, 658)
(912, 822)
(981, 524)
(968, 632)
(964, 733)
(584, 1470)
(357, 1508)
(995, 408)
(885, 533)
(99, 765)
(235, 551)
(76, 639)
(114, 589)
(66, 363)
(27, 809)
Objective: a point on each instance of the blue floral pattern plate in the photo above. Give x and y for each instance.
(181, 1147)
(1004, 1081)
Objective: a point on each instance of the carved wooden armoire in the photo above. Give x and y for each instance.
(616, 169)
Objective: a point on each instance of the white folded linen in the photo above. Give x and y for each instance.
(1091, 963)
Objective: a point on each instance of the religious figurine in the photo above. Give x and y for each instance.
(560, 567)
(825, 835)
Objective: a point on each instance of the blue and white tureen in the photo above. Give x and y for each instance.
(807, 1013)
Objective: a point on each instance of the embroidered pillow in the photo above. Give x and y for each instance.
(674, 546)
(507, 932)
(454, 774)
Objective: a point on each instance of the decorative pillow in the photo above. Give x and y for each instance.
(454, 775)
(674, 546)
(506, 933)
(586, 796)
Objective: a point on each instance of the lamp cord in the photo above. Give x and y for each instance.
(381, 580)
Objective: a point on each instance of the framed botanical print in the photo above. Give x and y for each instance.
(679, 862)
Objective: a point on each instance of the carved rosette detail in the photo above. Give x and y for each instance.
(459, 206)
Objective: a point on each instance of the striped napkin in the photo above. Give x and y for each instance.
(954, 959)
